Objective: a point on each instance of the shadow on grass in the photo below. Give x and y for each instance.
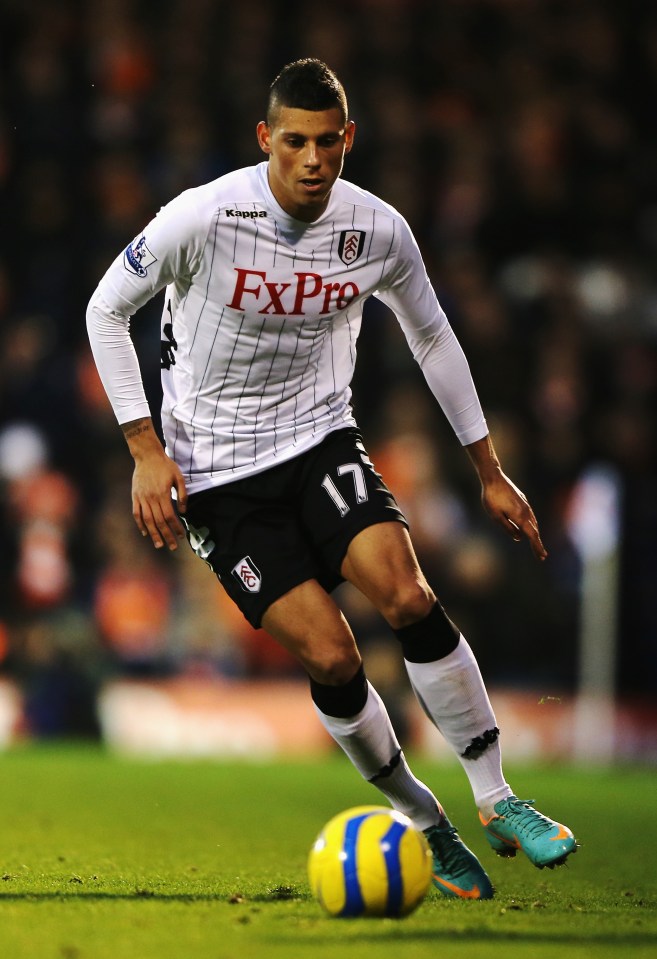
(370, 931)
(275, 895)
(406, 935)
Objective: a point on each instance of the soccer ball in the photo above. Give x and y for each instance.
(370, 861)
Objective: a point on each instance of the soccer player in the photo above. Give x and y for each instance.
(266, 271)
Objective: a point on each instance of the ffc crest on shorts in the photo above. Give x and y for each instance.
(351, 245)
(248, 575)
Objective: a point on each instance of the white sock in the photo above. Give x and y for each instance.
(452, 693)
(369, 741)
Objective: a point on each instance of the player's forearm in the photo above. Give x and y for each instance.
(116, 360)
(447, 372)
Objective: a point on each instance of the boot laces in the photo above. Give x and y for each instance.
(524, 818)
(446, 847)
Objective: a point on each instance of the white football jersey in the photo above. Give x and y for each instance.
(260, 321)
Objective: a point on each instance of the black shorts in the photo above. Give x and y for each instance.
(265, 534)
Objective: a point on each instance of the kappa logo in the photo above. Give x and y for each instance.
(351, 245)
(246, 214)
(137, 258)
(200, 541)
(248, 575)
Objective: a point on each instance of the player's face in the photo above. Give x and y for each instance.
(306, 150)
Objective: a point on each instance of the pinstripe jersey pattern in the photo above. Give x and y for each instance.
(260, 320)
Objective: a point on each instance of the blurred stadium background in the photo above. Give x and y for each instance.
(518, 138)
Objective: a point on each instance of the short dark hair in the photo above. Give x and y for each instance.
(307, 84)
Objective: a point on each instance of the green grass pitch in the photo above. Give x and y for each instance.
(105, 858)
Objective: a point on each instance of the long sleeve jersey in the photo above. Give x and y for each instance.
(260, 322)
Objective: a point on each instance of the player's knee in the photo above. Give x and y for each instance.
(408, 603)
(333, 666)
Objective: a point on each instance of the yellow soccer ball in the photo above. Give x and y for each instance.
(370, 861)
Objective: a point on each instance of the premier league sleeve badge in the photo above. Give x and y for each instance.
(137, 258)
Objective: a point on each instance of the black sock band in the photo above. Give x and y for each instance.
(341, 701)
(386, 771)
(481, 743)
(432, 638)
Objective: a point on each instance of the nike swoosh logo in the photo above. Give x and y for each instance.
(514, 843)
(473, 893)
(563, 833)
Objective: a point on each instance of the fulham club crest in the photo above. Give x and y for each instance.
(247, 575)
(351, 245)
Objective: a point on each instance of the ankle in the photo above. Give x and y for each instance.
(486, 804)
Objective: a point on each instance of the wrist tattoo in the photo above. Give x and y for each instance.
(135, 428)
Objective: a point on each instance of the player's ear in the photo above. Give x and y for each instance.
(264, 136)
(349, 133)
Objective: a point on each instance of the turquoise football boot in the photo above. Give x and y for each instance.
(457, 872)
(517, 825)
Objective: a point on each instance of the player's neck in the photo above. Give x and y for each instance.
(306, 213)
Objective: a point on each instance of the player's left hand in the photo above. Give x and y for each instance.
(508, 506)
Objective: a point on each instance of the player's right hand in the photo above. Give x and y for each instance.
(153, 508)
